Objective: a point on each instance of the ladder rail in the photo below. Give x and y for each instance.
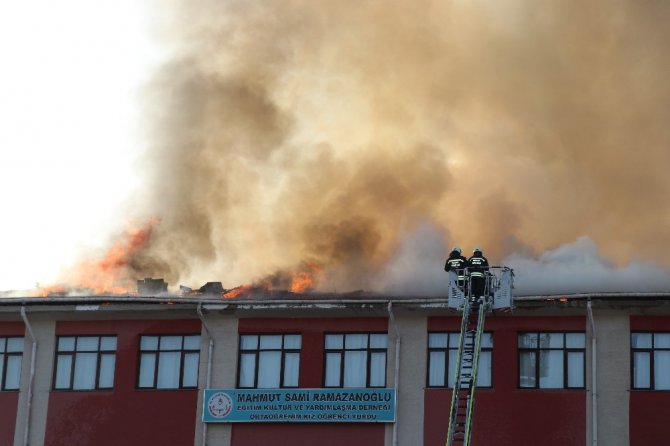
(469, 385)
(475, 367)
(457, 372)
(496, 295)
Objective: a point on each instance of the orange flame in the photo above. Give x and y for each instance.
(305, 280)
(237, 292)
(108, 275)
(297, 282)
(302, 281)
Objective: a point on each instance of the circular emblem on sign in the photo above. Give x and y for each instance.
(219, 405)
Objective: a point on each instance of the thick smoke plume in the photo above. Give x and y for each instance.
(326, 131)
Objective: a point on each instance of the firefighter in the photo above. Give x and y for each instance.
(478, 268)
(457, 263)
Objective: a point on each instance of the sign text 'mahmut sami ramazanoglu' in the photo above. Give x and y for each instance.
(299, 405)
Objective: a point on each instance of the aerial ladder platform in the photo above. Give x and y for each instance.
(497, 295)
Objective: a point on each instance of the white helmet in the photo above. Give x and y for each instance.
(457, 249)
(477, 250)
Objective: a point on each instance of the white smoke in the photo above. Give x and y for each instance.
(417, 266)
(578, 267)
(417, 269)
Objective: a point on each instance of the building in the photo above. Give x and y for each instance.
(109, 370)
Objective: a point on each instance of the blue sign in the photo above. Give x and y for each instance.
(299, 406)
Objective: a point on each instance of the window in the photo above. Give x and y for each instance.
(650, 360)
(355, 360)
(269, 361)
(169, 362)
(551, 360)
(442, 352)
(11, 354)
(85, 362)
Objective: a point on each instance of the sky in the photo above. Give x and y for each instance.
(69, 78)
(255, 141)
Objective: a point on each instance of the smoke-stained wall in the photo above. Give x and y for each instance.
(288, 132)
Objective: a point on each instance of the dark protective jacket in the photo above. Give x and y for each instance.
(456, 262)
(478, 266)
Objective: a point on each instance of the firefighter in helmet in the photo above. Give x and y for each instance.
(478, 268)
(457, 263)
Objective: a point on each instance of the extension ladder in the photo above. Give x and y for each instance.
(497, 296)
(465, 380)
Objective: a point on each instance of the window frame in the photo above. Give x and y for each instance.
(651, 351)
(156, 367)
(5, 360)
(73, 355)
(256, 352)
(446, 351)
(342, 352)
(565, 362)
